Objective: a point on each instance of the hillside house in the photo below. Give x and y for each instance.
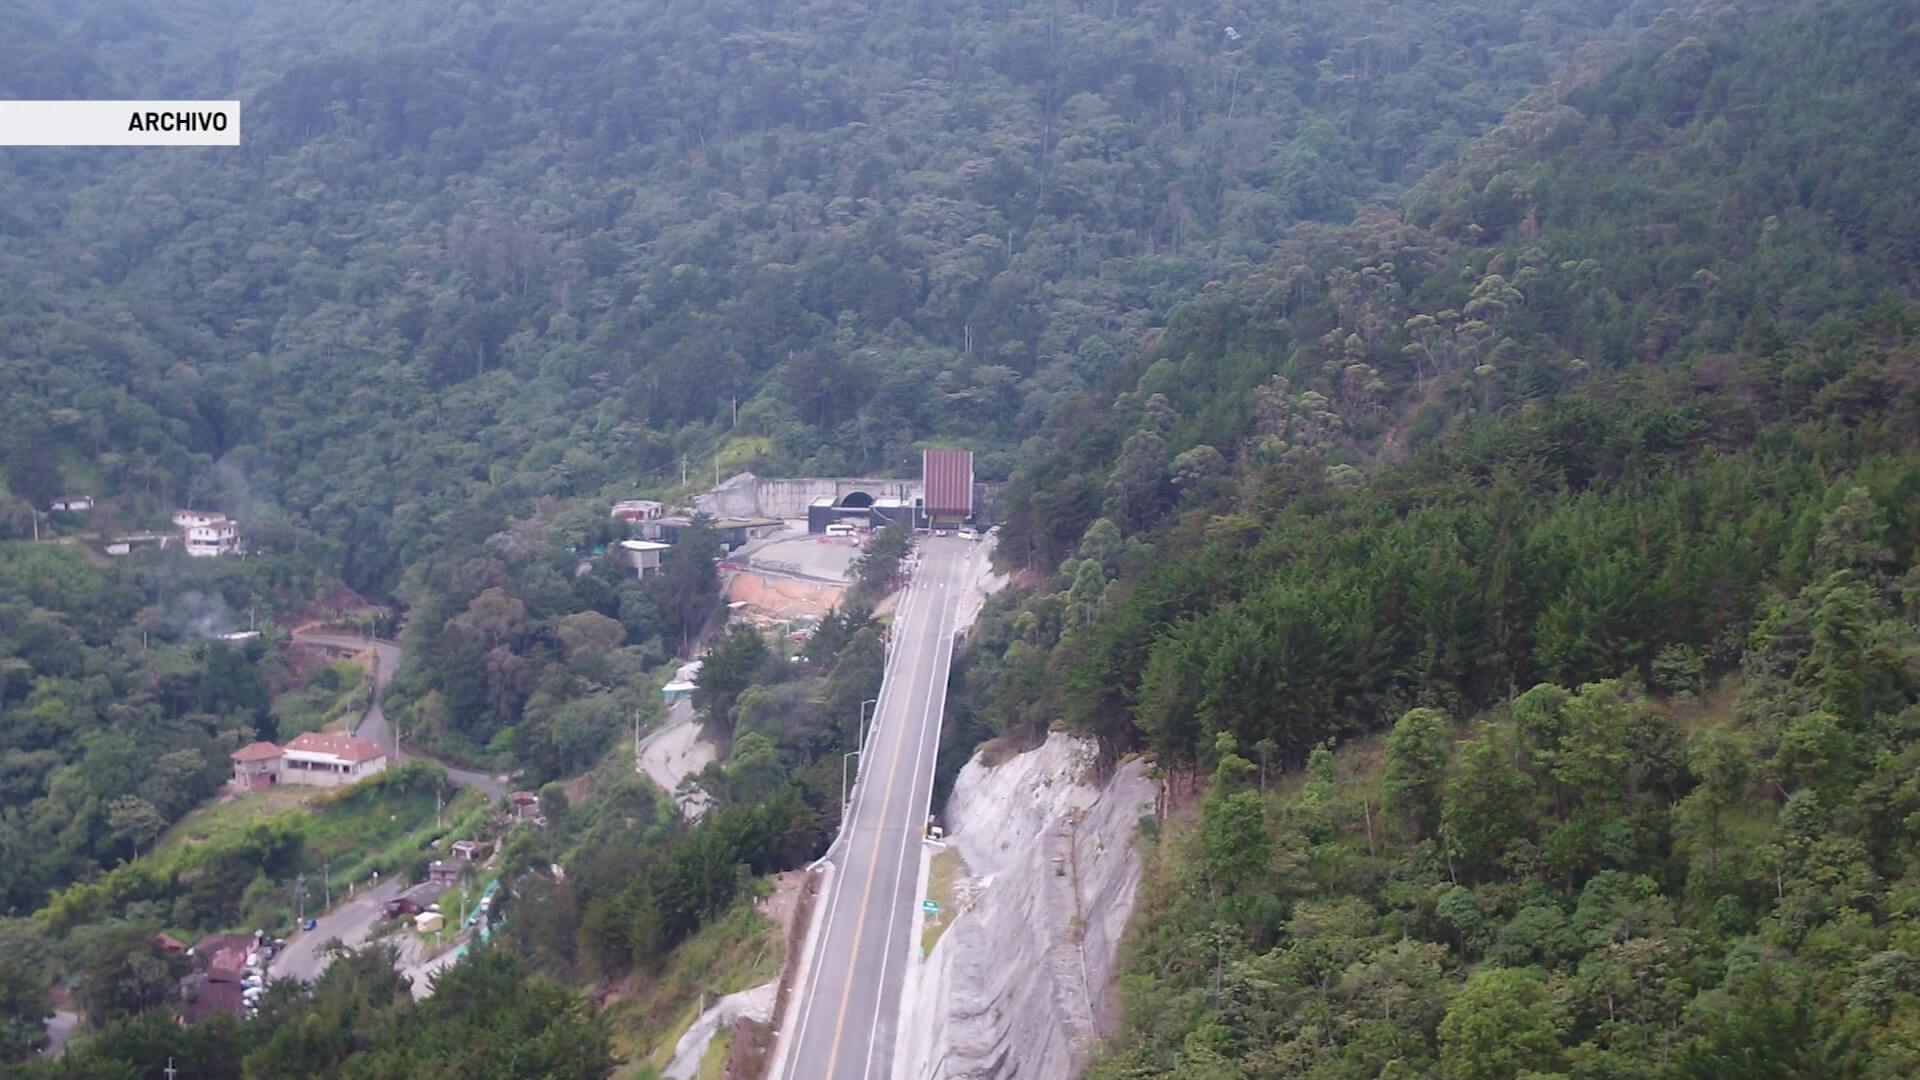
(329, 760)
(72, 503)
(414, 900)
(256, 766)
(642, 556)
(523, 806)
(637, 510)
(207, 533)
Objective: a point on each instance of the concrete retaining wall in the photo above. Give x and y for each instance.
(747, 495)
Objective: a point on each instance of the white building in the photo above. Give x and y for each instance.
(72, 503)
(207, 533)
(642, 556)
(327, 760)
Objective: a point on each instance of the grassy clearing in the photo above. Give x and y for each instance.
(386, 824)
(948, 867)
(739, 950)
(333, 699)
(222, 822)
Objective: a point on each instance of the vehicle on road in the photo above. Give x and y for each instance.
(969, 534)
(310, 924)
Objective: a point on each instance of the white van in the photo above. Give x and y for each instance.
(840, 528)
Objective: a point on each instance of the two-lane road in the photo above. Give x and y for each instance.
(847, 1011)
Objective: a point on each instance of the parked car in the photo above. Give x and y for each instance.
(310, 924)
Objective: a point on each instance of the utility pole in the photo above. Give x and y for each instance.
(327, 880)
(683, 470)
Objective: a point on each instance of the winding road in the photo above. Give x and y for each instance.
(374, 724)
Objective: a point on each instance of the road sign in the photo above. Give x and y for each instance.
(931, 907)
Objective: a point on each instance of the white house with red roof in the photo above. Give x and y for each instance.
(315, 758)
(327, 760)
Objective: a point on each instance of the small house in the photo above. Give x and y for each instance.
(642, 556)
(443, 872)
(523, 805)
(414, 901)
(256, 766)
(637, 510)
(429, 922)
(72, 503)
(470, 850)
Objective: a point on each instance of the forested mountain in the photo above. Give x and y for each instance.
(466, 257)
(1474, 449)
(1527, 579)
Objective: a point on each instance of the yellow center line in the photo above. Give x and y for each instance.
(866, 894)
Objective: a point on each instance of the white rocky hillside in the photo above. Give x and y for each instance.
(1020, 984)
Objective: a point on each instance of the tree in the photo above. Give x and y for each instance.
(1484, 809)
(1721, 764)
(1502, 1025)
(25, 1003)
(729, 667)
(1852, 537)
(134, 821)
(1233, 825)
(1416, 769)
(588, 631)
(687, 588)
(878, 567)
(753, 770)
(120, 972)
(1770, 1032)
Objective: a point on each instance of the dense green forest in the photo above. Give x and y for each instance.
(466, 260)
(117, 707)
(1473, 449)
(488, 1017)
(1518, 594)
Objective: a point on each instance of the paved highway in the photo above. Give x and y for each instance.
(847, 1013)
